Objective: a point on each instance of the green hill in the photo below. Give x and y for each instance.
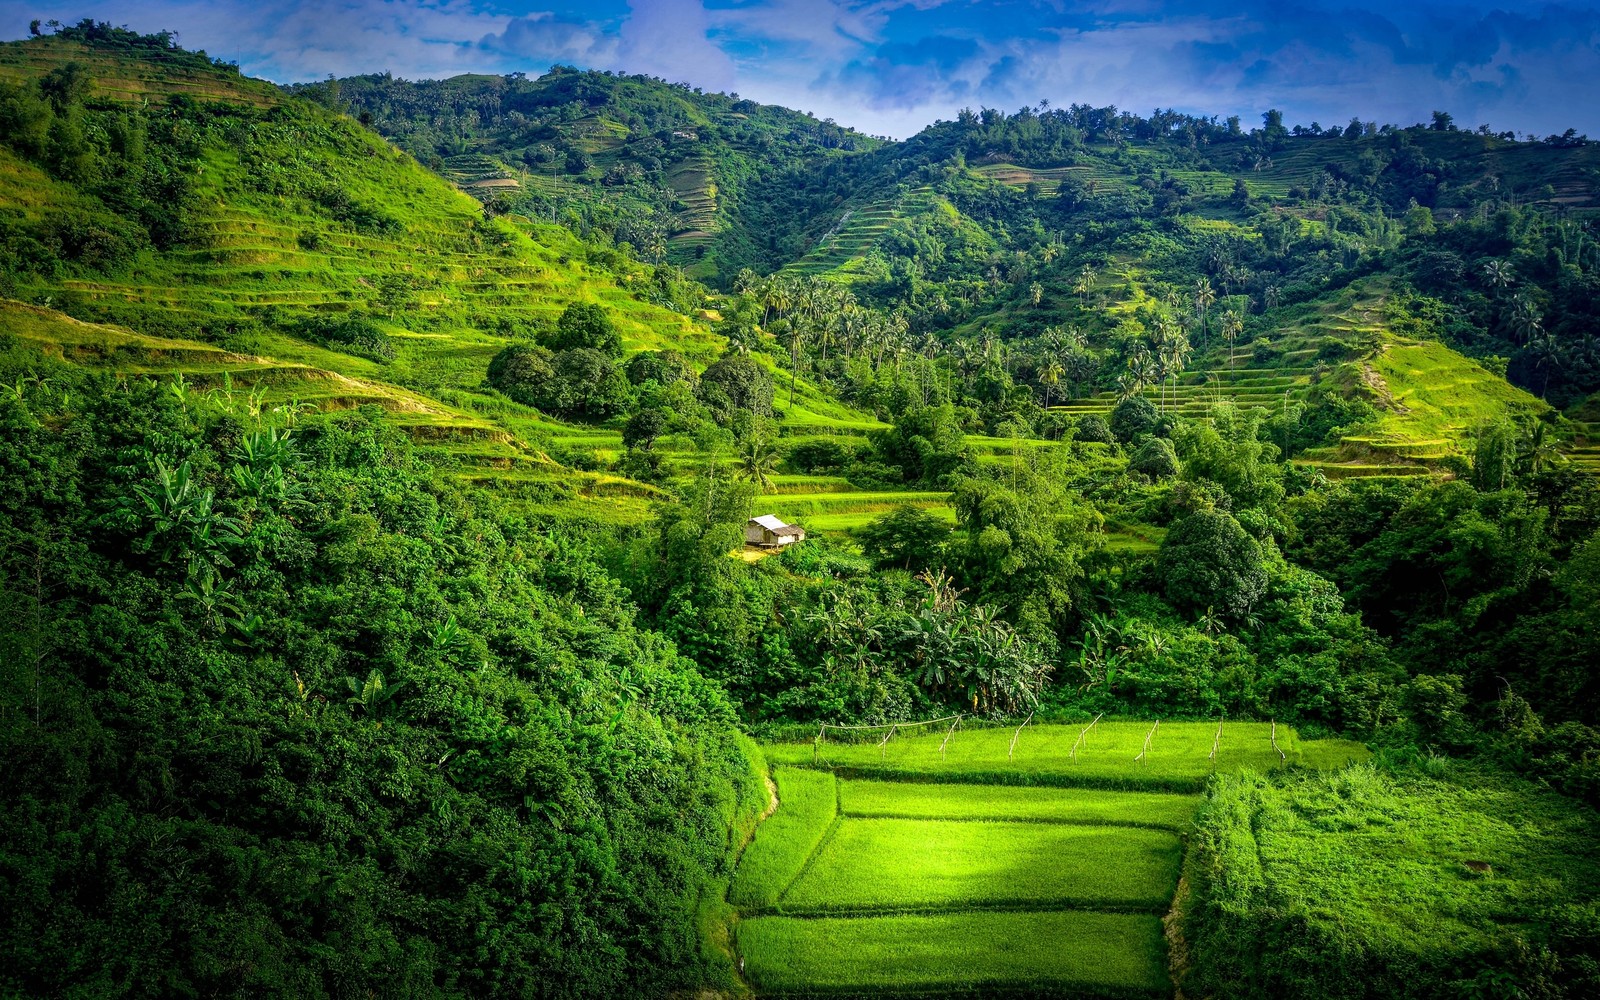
(656, 165)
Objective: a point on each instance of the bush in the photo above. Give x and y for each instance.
(1209, 562)
(1156, 459)
(586, 325)
(1133, 419)
(906, 538)
(660, 367)
(349, 334)
(736, 383)
(1094, 428)
(520, 371)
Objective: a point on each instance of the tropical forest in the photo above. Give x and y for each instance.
(569, 534)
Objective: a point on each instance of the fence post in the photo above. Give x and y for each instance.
(1011, 754)
(947, 736)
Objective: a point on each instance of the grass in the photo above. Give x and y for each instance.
(808, 804)
(905, 864)
(1098, 954)
(915, 800)
(1178, 760)
(1382, 880)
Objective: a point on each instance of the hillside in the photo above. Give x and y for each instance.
(287, 248)
(660, 167)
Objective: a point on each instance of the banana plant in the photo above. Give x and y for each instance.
(376, 697)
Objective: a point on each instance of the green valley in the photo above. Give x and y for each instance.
(576, 535)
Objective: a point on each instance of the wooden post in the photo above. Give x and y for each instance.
(885, 740)
(947, 736)
(1082, 735)
(1011, 754)
(1144, 752)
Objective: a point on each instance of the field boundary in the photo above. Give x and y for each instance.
(811, 859)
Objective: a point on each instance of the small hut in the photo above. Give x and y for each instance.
(767, 532)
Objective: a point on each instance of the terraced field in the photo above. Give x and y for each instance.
(842, 252)
(984, 861)
(1431, 399)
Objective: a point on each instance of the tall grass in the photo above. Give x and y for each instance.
(1365, 884)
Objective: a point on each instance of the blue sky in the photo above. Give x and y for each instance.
(892, 66)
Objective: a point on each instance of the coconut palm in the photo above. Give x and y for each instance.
(1204, 298)
(1498, 274)
(757, 462)
(1232, 326)
(1050, 377)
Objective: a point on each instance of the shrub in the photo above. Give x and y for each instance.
(350, 334)
(1094, 428)
(1134, 418)
(1156, 459)
(586, 325)
(1208, 561)
(520, 371)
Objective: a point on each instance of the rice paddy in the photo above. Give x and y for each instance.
(986, 861)
(920, 864)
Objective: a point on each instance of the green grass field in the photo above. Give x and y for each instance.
(907, 864)
(1382, 880)
(1179, 757)
(1065, 952)
(916, 800)
(808, 803)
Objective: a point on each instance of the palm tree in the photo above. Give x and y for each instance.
(1273, 295)
(1204, 298)
(1085, 284)
(1050, 376)
(1232, 326)
(1539, 450)
(1498, 274)
(757, 462)
(796, 345)
(1526, 321)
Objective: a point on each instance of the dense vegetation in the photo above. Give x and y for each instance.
(284, 713)
(366, 545)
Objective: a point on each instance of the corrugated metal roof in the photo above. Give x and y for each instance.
(768, 521)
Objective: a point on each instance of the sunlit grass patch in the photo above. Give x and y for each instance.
(904, 864)
(1097, 954)
(1178, 760)
(807, 805)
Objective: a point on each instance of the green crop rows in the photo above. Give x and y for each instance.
(1178, 758)
(776, 854)
(912, 864)
(915, 800)
(985, 860)
(1071, 952)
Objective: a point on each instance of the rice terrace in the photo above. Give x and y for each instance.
(1037, 860)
